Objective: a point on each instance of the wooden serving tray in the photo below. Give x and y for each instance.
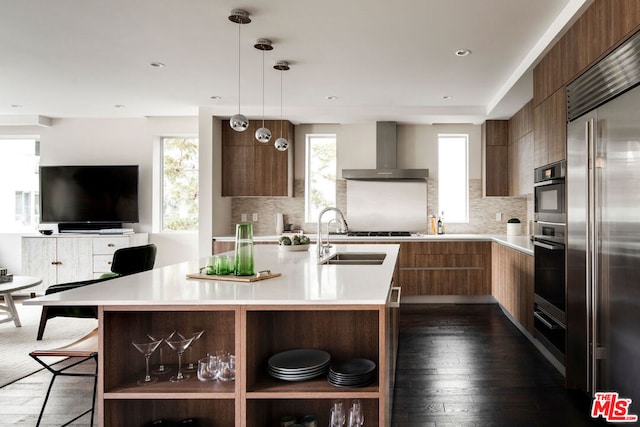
(261, 275)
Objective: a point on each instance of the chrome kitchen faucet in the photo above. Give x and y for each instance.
(322, 249)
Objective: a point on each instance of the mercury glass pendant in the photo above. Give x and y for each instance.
(239, 122)
(281, 143)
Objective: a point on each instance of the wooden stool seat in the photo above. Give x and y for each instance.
(84, 348)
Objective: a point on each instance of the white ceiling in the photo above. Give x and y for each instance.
(384, 60)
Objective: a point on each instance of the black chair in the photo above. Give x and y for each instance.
(126, 261)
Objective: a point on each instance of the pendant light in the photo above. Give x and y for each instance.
(281, 143)
(263, 134)
(238, 121)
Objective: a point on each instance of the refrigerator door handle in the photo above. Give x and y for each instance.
(592, 267)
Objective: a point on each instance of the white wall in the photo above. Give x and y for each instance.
(111, 141)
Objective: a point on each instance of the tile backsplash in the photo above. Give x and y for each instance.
(482, 211)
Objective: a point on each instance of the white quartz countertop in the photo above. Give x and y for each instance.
(520, 243)
(303, 282)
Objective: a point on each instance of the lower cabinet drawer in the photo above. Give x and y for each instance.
(107, 246)
(102, 263)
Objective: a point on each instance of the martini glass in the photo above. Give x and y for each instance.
(179, 344)
(162, 336)
(193, 365)
(146, 346)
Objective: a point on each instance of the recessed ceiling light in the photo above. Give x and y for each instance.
(157, 64)
(216, 97)
(332, 97)
(16, 106)
(463, 52)
(447, 97)
(119, 106)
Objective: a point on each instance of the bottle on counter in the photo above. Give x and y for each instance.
(441, 224)
(434, 229)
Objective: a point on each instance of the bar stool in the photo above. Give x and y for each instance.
(84, 349)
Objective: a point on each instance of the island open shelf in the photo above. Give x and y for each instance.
(136, 412)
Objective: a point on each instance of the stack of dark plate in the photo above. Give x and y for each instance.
(299, 364)
(352, 373)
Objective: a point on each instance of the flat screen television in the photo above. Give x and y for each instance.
(89, 197)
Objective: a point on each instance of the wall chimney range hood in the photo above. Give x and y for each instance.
(386, 169)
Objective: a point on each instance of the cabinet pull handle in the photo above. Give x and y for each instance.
(396, 303)
(110, 245)
(109, 263)
(56, 263)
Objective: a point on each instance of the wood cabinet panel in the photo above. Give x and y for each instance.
(521, 139)
(445, 268)
(512, 283)
(605, 24)
(550, 129)
(251, 168)
(495, 158)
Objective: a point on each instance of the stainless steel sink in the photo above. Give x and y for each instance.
(355, 258)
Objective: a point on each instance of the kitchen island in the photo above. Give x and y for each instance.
(350, 311)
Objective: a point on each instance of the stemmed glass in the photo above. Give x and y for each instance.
(162, 336)
(193, 365)
(146, 346)
(179, 344)
(356, 414)
(337, 415)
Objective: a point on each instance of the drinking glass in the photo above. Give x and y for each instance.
(192, 365)
(208, 368)
(223, 265)
(337, 416)
(146, 346)
(163, 336)
(356, 414)
(179, 344)
(226, 367)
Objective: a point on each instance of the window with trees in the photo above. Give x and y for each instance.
(19, 184)
(179, 183)
(453, 177)
(320, 171)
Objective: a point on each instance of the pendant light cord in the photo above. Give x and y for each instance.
(239, 25)
(263, 88)
(280, 103)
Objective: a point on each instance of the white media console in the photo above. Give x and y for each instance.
(63, 258)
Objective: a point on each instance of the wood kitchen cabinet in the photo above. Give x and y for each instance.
(251, 168)
(521, 142)
(550, 129)
(495, 158)
(445, 268)
(512, 283)
(253, 334)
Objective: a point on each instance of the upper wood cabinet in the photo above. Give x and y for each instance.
(521, 151)
(495, 158)
(604, 25)
(251, 168)
(550, 129)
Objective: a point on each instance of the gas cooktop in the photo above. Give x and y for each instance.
(378, 233)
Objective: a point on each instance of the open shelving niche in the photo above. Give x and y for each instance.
(253, 333)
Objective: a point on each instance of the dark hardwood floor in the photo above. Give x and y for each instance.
(468, 365)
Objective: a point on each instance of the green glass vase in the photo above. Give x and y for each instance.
(243, 262)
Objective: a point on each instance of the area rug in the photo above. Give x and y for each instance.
(16, 343)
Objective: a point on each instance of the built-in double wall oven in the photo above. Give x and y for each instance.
(549, 254)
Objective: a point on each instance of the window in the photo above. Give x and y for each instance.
(179, 184)
(19, 185)
(320, 179)
(453, 174)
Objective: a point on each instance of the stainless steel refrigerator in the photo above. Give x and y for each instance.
(603, 226)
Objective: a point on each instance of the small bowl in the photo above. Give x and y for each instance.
(46, 232)
(294, 248)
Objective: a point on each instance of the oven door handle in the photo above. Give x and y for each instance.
(549, 246)
(542, 318)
